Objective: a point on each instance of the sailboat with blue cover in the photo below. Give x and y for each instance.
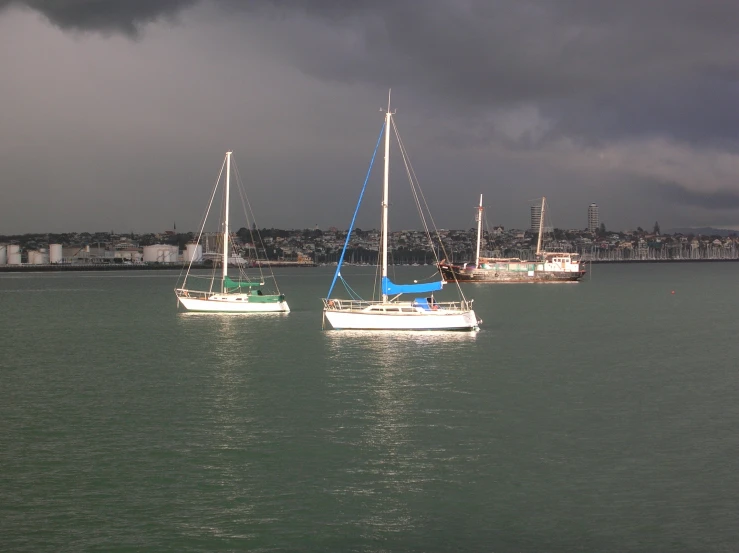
(421, 311)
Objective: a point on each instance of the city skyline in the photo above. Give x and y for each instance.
(118, 113)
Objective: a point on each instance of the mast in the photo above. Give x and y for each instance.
(479, 233)
(388, 121)
(541, 226)
(225, 223)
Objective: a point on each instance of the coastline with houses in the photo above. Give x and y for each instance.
(312, 247)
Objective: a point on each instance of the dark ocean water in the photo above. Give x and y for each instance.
(599, 416)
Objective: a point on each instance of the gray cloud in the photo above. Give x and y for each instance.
(577, 100)
(125, 16)
(717, 200)
(598, 70)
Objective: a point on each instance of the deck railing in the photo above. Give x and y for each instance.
(201, 294)
(358, 305)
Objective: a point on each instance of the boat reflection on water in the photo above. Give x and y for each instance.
(384, 338)
(391, 350)
(386, 409)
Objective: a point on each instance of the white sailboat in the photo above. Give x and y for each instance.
(389, 312)
(221, 293)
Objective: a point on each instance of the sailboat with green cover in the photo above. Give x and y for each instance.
(219, 293)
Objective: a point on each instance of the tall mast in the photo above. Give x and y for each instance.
(541, 226)
(479, 232)
(225, 222)
(388, 122)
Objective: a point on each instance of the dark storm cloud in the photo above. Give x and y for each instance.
(124, 16)
(717, 200)
(595, 69)
(579, 99)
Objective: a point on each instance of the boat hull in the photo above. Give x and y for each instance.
(437, 320)
(215, 305)
(452, 273)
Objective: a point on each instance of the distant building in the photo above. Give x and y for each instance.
(535, 217)
(593, 218)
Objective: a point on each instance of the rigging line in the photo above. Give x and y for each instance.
(240, 188)
(244, 203)
(415, 184)
(354, 217)
(486, 225)
(433, 223)
(416, 189)
(205, 218)
(376, 292)
(350, 290)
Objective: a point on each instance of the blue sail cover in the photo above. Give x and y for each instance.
(389, 288)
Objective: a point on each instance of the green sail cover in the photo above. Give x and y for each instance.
(266, 299)
(229, 284)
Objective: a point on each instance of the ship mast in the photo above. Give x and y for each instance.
(541, 226)
(388, 121)
(479, 233)
(225, 223)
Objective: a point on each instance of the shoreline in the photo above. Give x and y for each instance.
(634, 261)
(79, 267)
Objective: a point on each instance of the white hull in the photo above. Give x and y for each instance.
(231, 305)
(437, 320)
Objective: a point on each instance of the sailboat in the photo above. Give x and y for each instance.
(546, 267)
(422, 312)
(221, 293)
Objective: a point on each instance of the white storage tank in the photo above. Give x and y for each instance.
(194, 253)
(3, 254)
(152, 253)
(14, 254)
(168, 256)
(161, 253)
(38, 257)
(55, 253)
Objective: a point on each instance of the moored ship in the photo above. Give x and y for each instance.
(546, 267)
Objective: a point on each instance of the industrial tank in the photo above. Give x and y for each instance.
(152, 253)
(38, 257)
(194, 253)
(169, 255)
(14, 254)
(161, 253)
(55, 253)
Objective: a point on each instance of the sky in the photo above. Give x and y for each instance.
(116, 115)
